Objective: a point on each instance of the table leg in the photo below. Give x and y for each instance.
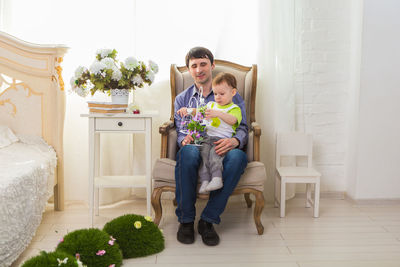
(148, 166)
(91, 167)
(97, 171)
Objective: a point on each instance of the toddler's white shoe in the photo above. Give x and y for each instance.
(214, 184)
(203, 187)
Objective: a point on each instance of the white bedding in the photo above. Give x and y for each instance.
(26, 183)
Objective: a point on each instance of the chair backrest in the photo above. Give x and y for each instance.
(246, 82)
(293, 144)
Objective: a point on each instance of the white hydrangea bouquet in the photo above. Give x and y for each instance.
(107, 73)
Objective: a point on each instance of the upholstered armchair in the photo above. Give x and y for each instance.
(252, 180)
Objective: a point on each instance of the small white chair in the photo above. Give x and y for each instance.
(295, 144)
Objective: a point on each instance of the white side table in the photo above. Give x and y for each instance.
(117, 123)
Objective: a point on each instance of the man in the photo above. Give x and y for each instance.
(200, 62)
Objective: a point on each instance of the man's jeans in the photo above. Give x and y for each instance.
(188, 160)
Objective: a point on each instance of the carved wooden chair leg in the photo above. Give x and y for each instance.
(156, 203)
(248, 199)
(257, 211)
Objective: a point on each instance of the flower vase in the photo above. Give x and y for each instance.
(198, 141)
(119, 96)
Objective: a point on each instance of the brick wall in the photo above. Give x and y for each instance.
(322, 51)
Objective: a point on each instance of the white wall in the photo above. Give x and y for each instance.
(378, 151)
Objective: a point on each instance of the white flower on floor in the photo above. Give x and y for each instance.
(64, 261)
(80, 264)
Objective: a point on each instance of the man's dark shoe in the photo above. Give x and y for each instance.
(208, 234)
(185, 233)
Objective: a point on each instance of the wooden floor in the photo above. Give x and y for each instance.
(346, 234)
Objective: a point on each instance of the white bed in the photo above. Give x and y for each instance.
(32, 110)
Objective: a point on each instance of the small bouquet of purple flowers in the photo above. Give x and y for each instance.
(196, 125)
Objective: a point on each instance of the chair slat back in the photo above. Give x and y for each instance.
(246, 83)
(293, 144)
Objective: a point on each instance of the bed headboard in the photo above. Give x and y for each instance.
(32, 97)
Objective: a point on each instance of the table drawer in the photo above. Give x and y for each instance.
(120, 124)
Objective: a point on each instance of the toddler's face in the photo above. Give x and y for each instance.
(223, 93)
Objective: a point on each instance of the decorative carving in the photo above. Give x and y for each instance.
(59, 72)
(8, 101)
(9, 83)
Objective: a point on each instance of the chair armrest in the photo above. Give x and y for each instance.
(165, 127)
(256, 129)
(165, 130)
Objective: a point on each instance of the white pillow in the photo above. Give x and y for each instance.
(7, 137)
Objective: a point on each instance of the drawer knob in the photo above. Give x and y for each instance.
(120, 123)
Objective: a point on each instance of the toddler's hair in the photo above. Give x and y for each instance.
(225, 77)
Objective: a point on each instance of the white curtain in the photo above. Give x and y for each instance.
(235, 30)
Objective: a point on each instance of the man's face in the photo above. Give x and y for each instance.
(201, 70)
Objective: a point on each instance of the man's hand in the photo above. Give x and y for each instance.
(187, 140)
(182, 112)
(223, 146)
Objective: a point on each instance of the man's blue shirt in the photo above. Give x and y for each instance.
(188, 99)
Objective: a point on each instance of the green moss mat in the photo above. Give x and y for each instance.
(52, 259)
(136, 235)
(93, 246)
